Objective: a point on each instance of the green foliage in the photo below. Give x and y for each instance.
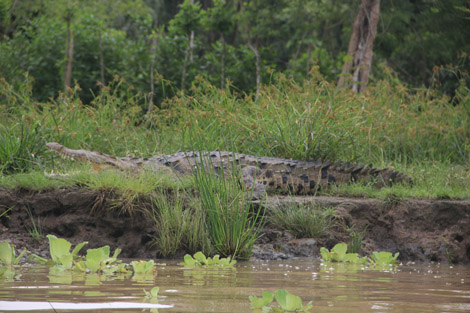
(287, 302)
(338, 254)
(232, 225)
(356, 238)
(383, 258)
(143, 267)
(35, 230)
(171, 221)
(60, 251)
(99, 261)
(199, 259)
(7, 254)
(187, 19)
(303, 221)
(153, 293)
(265, 300)
(21, 146)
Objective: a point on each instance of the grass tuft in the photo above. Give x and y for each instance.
(230, 216)
(303, 220)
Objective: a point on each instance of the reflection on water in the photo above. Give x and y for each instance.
(333, 287)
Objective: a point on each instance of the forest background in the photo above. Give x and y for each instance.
(142, 77)
(420, 42)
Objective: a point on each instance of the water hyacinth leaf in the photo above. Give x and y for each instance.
(66, 261)
(189, 261)
(58, 247)
(383, 258)
(143, 266)
(95, 258)
(199, 256)
(281, 297)
(325, 254)
(153, 293)
(259, 303)
(6, 256)
(339, 252)
(78, 248)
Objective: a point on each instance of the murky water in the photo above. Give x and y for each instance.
(332, 288)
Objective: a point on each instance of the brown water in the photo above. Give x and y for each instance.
(332, 288)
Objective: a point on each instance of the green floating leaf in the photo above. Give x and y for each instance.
(265, 300)
(153, 293)
(383, 258)
(143, 266)
(199, 259)
(6, 253)
(289, 302)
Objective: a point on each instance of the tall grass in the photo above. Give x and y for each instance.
(232, 221)
(415, 131)
(21, 146)
(171, 221)
(302, 220)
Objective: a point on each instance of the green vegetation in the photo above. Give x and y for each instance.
(389, 126)
(377, 259)
(220, 75)
(99, 261)
(356, 238)
(233, 224)
(264, 301)
(7, 254)
(59, 249)
(302, 220)
(144, 267)
(35, 230)
(338, 254)
(287, 302)
(199, 259)
(153, 293)
(383, 258)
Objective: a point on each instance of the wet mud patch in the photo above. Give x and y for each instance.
(421, 230)
(77, 215)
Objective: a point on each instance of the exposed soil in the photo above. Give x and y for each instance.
(421, 230)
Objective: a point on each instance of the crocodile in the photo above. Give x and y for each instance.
(269, 174)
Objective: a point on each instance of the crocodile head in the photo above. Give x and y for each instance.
(98, 159)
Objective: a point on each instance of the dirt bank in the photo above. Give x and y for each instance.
(421, 230)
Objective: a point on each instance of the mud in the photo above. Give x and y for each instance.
(421, 230)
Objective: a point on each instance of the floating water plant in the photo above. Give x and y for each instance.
(199, 259)
(338, 254)
(98, 260)
(287, 302)
(264, 301)
(153, 293)
(143, 267)
(59, 249)
(383, 258)
(7, 254)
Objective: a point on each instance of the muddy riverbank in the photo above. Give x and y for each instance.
(420, 229)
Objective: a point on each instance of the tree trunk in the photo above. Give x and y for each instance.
(185, 65)
(68, 72)
(222, 64)
(152, 69)
(309, 57)
(258, 68)
(356, 69)
(100, 38)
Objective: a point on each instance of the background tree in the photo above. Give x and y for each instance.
(356, 69)
(187, 20)
(219, 19)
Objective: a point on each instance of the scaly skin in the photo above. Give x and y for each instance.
(267, 173)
